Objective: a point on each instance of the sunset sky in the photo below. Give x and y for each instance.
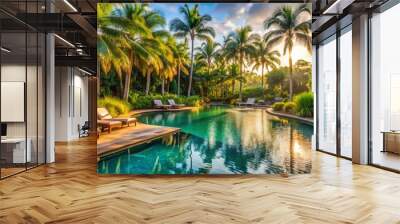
(227, 17)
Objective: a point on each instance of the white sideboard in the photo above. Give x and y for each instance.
(19, 154)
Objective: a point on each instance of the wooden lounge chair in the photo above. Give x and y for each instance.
(109, 125)
(249, 102)
(174, 105)
(102, 114)
(159, 105)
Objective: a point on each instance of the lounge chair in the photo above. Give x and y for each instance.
(102, 114)
(159, 105)
(174, 105)
(109, 125)
(249, 102)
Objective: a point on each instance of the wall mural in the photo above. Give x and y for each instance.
(196, 88)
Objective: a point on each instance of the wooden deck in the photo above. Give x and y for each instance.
(290, 116)
(130, 136)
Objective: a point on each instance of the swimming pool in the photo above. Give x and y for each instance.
(218, 140)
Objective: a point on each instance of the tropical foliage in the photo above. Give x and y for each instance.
(142, 57)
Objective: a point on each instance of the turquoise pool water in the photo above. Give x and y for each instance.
(218, 140)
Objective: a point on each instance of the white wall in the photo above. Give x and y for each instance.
(33, 127)
(71, 103)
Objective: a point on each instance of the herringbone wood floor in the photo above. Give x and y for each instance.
(70, 191)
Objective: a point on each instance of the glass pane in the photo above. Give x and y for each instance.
(346, 94)
(327, 96)
(13, 86)
(385, 89)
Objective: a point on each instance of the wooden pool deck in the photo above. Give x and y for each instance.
(130, 136)
(125, 137)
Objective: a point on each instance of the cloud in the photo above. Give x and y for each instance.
(259, 12)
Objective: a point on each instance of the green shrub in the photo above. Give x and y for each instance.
(256, 92)
(278, 106)
(192, 101)
(304, 104)
(289, 107)
(115, 106)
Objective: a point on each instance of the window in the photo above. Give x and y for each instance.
(22, 76)
(385, 89)
(346, 93)
(327, 95)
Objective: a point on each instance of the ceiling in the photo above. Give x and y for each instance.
(74, 22)
(331, 15)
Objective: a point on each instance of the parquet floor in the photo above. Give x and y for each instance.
(70, 191)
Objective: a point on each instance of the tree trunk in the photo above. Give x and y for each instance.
(201, 90)
(127, 86)
(179, 80)
(266, 83)
(290, 75)
(191, 66)
(241, 77)
(148, 80)
(162, 86)
(98, 78)
(168, 84)
(121, 87)
(262, 75)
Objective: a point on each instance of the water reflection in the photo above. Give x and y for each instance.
(218, 140)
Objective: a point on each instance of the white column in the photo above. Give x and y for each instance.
(50, 100)
(360, 90)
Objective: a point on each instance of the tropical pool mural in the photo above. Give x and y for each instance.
(204, 88)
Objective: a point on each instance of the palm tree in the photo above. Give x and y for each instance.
(207, 52)
(290, 27)
(169, 64)
(154, 44)
(128, 23)
(182, 58)
(110, 55)
(195, 26)
(243, 42)
(231, 55)
(265, 56)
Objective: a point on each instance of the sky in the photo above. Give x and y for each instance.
(227, 17)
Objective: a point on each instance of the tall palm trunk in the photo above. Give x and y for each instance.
(191, 65)
(127, 86)
(290, 75)
(168, 84)
(179, 80)
(163, 86)
(128, 79)
(98, 78)
(262, 76)
(121, 87)
(208, 72)
(241, 76)
(148, 80)
(266, 83)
